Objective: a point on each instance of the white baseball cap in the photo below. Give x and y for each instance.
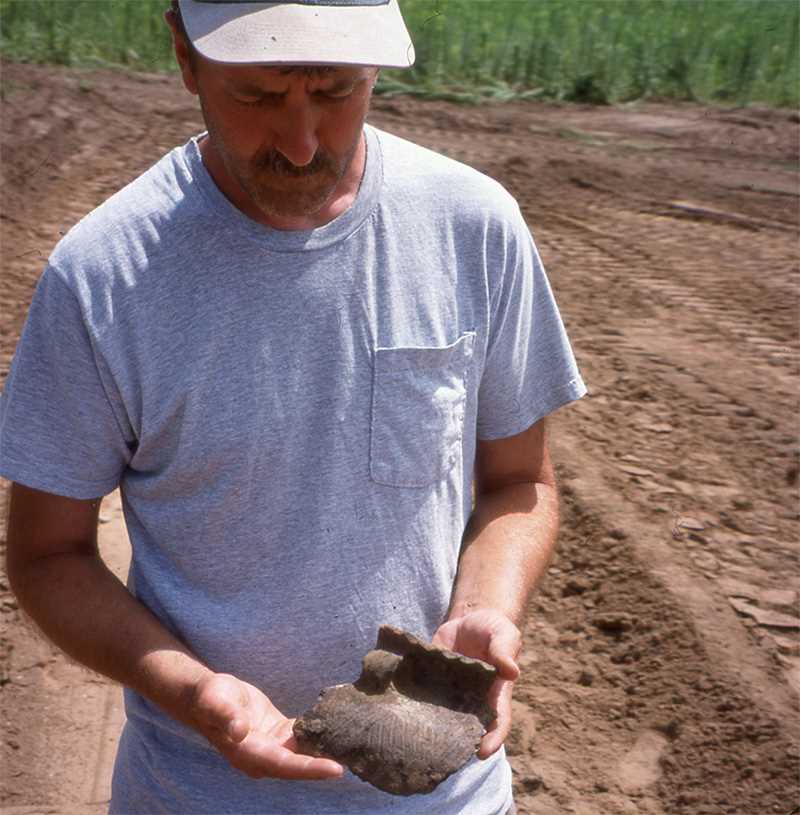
(303, 32)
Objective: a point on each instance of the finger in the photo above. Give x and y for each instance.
(500, 699)
(492, 741)
(266, 758)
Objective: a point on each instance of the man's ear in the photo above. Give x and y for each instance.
(183, 52)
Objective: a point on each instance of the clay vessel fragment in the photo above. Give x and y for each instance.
(414, 716)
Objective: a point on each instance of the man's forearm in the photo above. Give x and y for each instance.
(84, 609)
(507, 546)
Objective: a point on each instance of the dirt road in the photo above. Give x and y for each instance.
(662, 662)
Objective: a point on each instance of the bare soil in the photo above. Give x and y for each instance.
(662, 661)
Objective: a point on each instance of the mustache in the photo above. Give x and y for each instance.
(277, 164)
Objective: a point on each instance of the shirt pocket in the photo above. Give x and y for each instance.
(419, 397)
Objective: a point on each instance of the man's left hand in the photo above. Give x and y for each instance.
(491, 636)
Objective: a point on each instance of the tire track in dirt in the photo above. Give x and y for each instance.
(745, 287)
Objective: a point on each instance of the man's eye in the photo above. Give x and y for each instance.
(335, 96)
(258, 101)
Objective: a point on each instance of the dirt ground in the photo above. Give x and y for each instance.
(662, 660)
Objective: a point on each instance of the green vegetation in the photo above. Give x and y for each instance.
(596, 51)
(86, 33)
(608, 50)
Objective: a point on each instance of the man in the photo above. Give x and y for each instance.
(296, 344)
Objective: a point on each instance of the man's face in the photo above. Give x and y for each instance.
(285, 136)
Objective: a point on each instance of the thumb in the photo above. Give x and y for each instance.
(238, 727)
(445, 636)
(222, 704)
(504, 647)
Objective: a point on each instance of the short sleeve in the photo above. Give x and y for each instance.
(62, 427)
(530, 369)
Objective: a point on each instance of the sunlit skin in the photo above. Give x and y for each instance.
(285, 145)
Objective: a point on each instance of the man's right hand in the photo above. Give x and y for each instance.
(60, 580)
(250, 732)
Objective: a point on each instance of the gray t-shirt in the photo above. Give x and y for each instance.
(292, 420)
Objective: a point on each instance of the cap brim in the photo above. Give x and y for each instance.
(289, 33)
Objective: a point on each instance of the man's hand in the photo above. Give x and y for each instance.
(488, 635)
(250, 732)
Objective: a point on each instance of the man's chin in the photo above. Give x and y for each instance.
(285, 204)
(290, 209)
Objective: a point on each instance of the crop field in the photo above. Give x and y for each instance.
(598, 51)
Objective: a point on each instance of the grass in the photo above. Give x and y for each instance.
(595, 51)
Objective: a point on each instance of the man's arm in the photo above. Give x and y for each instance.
(58, 577)
(508, 543)
(512, 532)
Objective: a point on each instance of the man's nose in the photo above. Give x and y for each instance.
(296, 135)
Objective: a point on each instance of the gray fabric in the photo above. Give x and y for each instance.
(292, 419)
